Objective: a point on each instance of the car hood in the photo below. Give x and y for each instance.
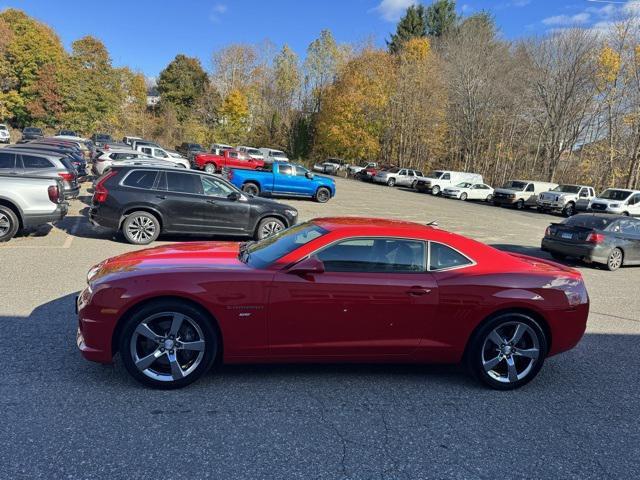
(507, 190)
(210, 256)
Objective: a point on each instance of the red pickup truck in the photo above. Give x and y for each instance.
(213, 162)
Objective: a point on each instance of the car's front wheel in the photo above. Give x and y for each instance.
(141, 228)
(168, 344)
(210, 168)
(569, 209)
(9, 224)
(507, 351)
(323, 195)
(268, 227)
(435, 190)
(463, 196)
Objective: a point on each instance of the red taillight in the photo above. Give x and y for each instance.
(100, 192)
(54, 194)
(67, 177)
(595, 237)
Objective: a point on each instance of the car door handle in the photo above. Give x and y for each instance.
(418, 291)
(212, 202)
(161, 197)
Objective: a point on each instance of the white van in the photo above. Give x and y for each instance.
(620, 201)
(520, 193)
(272, 155)
(436, 181)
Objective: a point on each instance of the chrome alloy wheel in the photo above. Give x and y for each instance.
(167, 346)
(270, 228)
(614, 261)
(5, 224)
(510, 352)
(141, 229)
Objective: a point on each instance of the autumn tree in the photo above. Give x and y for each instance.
(181, 84)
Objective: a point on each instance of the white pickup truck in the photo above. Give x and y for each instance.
(29, 201)
(567, 199)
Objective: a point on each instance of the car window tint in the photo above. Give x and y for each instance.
(29, 161)
(140, 179)
(530, 187)
(419, 174)
(374, 255)
(215, 188)
(442, 256)
(184, 183)
(446, 176)
(285, 170)
(630, 226)
(7, 160)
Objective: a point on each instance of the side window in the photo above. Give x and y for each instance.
(635, 199)
(442, 257)
(402, 172)
(233, 155)
(530, 188)
(285, 170)
(584, 193)
(7, 160)
(375, 255)
(146, 150)
(419, 174)
(215, 188)
(446, 176)
(160, 153)
(30, 161)
(301, 172)
(140, 179)
(184, 183)
(410, 173)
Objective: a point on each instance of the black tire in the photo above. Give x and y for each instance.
(480, 346)
(413, 184)
(569, 209)
(391, 182)
(435, 190)
(520, 204)
(489, 198)
(164, 312)
(141, 228)
(267, 227)
(626, 214)
(323, 195)
(9, 224)
(210, 168)
(540, 210)
(615, 259)
(463, 196)
(251, 189)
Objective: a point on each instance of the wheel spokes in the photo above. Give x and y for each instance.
(146, 361)
(144, 330)
(197, 346)
(517, 335)
(532, 353)
(176, 323)
(176, 370)
(491, 364)
(512, 371)
(496, 338)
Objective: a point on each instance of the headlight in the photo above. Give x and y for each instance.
(512, 195)
(292, 213)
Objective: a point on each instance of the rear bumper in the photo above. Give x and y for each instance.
(99, 220)
(40, 219)
(567, 328)
(71, 192)
(587, 252)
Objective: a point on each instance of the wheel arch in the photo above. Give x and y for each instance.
(534, 314)
(117, 331)
(141, 208)
(15, 209)
(279, 216)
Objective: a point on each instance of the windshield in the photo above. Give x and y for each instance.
(567, 189)
(263, 253)
(515, 185)
(464, 185)
(278, 154)
(435, 174)
(3, 127)
(612, 194)
(590, 221)
(32, 130)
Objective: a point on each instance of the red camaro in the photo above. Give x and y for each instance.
(331, 290)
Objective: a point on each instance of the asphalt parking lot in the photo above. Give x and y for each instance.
(63, 417)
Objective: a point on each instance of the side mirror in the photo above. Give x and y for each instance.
(309, 175)
(234, 196)
(307, 266)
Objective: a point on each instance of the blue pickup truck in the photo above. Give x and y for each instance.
(284, 179)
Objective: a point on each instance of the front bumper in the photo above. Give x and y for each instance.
(586, 252)
(504, 201)
(549, 205)
(447, 194)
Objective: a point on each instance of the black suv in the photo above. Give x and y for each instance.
(188, 150)
(146, 201)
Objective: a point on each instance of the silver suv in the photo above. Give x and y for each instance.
(22, 161)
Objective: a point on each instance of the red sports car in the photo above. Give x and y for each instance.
(331, 290)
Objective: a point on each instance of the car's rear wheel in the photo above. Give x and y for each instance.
(391, 182)
(141, 228)
(9, 224)
(615, 259)
(210, 168)
(251, 188)
(268, 227)
(168, 344)
(507, 351)
(489, 198)
(323, 195)
(463, 196)
(435, 190)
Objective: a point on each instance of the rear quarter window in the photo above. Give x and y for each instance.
(140, 179)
